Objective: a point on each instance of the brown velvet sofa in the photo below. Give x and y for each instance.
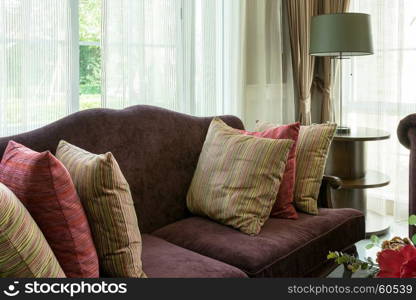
(158, 150)
(406, 132)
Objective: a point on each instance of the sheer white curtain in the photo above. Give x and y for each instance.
(216, 54)
(269, 80)
(181, 55)
(203, 57)
(37, 75)
(380, 91)
(240, 61)
(141, 46)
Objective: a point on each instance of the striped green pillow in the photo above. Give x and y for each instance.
(311, 153)
(237, 177)
(105, 195)
(24, 251)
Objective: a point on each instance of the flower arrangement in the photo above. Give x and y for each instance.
(396, 259)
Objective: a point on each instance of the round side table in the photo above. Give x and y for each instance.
(347, 160)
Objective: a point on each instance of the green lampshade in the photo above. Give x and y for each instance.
(348, 34)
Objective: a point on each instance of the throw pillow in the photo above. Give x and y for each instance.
(283, 207)
(108, 203)
(45, 187)
(237, 177)
(311, 153)
(24, 252)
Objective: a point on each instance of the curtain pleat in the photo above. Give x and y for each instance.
(300, 13)
(36, 63)
(326, 63)
(269, 78)
(182, 55)
(207, 50)
(141, 54)
(214, 53)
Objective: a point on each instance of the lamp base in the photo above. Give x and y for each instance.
(343, 130)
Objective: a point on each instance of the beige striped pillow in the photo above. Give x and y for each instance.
(237, 177)
(311, 153)
(24, 251)
(105, 195)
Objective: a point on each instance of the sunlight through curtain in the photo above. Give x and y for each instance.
(36, 63)
(180, 55)
(379, 92)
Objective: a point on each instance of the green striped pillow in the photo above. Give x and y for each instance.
(237, 177)
(24, 251)
(311, 153)
(105, 195)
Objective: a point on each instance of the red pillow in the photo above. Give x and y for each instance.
(283, 207)
(44, 186)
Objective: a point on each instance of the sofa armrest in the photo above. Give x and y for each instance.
(328, 183)
(406, 133)
(333, 181)
(406, 130)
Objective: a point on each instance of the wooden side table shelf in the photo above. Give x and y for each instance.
(347, 160)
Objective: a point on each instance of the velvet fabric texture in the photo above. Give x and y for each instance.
(284, 248)
(45, 187)
(162, 259)
(283, 207)
(406, 132)
(237, 177)
(157, 151)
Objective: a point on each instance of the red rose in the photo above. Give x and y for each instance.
(397, 263)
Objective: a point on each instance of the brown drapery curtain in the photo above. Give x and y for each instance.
(300, 13)
(324, 84)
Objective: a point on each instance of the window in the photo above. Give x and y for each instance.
(61, 56)
(36, 70)
(379, 92)
(173, 54)
(89, 53)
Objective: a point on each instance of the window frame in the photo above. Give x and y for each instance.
(74, 102)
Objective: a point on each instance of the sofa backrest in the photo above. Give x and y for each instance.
(157, 151)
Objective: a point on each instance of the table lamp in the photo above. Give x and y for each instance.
(340, 36)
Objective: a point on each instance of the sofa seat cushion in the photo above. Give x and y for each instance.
(162, 259)
(284, 248)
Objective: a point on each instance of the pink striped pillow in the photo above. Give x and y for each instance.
(45, 187)
(283, 207)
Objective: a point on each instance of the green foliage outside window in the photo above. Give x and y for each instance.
(90, 54)
(90, 70)
(90, 20)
